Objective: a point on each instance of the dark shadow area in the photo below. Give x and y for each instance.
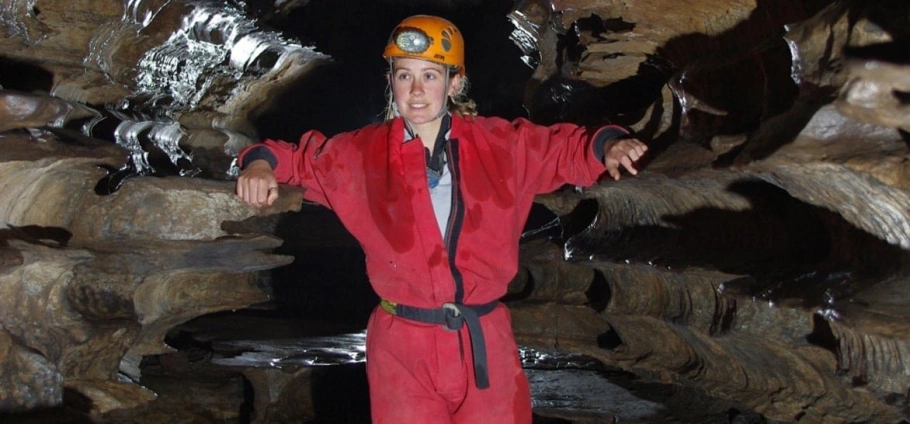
(155, 161)
(623, 102)
(779, 130)
(326, 283)
(891, 52)
(60, 415)
(581, 218)
(25, 77)
(543, 224)
(75, 410)
(751, 56)
(765, 24)
(651, 402)
(609, 340)
(809, 257)
(754, 58)
(537, 419)
(115, 177)
(563, 99)
(341, 395)
(521, 287)
(889, 15)
(763, 89)
(822, 335)
(685, 404)
(327, 280)
(650, 132)
(46, 236)
(598, 293)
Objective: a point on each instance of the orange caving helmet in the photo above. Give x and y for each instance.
(429, 38)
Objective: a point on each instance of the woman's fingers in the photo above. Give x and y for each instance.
(624, 153)
(257, 186)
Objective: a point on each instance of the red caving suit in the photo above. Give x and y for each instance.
(376, 182)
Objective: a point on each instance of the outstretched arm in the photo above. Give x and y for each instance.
(265, 165)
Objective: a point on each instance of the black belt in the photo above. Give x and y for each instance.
(453, 316)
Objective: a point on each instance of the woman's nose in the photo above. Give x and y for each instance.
(417, 87)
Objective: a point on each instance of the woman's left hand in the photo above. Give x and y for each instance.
(624, 152)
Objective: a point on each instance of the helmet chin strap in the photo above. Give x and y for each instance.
(445, 97)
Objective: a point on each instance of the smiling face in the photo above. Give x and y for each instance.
(420, 90)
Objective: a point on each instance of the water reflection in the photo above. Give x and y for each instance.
(310, 351)
(560, 383)
(350, 348)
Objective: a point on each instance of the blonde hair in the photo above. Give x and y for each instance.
(458, 103)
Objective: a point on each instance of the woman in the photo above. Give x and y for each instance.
(437, 198)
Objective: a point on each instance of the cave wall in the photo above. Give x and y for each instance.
(759, 257)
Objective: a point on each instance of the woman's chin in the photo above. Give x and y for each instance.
(418, 119)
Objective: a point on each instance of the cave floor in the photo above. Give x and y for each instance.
(192, 386)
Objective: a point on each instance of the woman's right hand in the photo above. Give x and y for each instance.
(257, 185)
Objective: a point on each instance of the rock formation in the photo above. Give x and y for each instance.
(760, 257)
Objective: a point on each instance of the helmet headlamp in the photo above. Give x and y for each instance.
(412, 40)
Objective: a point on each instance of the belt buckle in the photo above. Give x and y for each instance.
(454, 318)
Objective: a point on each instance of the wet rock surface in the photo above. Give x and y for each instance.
(756, 270)
(82, 308)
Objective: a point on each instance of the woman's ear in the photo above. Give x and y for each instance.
(455, 85)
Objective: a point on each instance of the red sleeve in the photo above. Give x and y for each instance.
(294, 162)
(551, 156)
